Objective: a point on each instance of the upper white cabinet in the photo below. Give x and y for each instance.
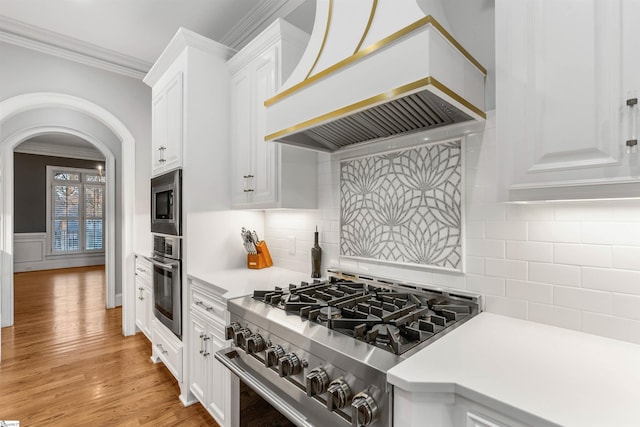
(267, 174)
(167, 117)
(561, 90)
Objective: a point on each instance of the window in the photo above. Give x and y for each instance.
(76, 206)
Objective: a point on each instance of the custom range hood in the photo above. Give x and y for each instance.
(373, 70)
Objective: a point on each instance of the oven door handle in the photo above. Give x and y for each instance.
(225, 356)
(162, 265)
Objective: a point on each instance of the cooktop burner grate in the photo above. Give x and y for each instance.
(390, 318)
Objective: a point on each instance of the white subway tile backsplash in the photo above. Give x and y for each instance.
(570, 264)
(505, 230)
(626, 306)
(523, 212)
(621, 281)
(530, 251)
(486, 285)
(486, 248)
(506, 306)
(475, 265)
(474, 229)
(626, 257)
(583, 299)
(574, 254)
(509, 269)
(555, 316)
(549, 231)
(556, 274)
(611, 327)
(529, 291)
(614, 233)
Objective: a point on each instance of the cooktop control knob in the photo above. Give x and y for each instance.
(339, 394)
(364, 410)
(289, 364)
(255, 344)
(230, 330)
(240, 338)
(317, 382)
(272, 355)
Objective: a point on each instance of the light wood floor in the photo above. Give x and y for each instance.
(66, 363)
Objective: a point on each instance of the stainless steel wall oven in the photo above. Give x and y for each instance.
(167, 282)
(166, 203)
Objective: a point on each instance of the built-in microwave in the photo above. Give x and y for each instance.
(166, 203)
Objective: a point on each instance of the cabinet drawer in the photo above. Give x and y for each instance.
(210, 306)
(143, 268)
(168, 348)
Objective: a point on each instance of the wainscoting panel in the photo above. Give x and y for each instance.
(30, 255)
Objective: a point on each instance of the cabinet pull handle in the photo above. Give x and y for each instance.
(201, 343)
(203, 305)
(162, 350)
(248, 183)
(204, 340)
(162, 149)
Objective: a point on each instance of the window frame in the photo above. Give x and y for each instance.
(51, 170)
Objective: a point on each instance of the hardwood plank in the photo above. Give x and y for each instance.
(65, 361)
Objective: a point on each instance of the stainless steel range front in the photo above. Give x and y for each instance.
(319, 352)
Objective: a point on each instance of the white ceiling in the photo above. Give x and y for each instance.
(142, 28)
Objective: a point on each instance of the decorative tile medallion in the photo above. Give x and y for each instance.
(404, 206)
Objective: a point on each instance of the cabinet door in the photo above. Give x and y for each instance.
(558, 71)
(241, 125)
(159, 135)
(167, 117)
(175, 121)
(265, 160)
(219, 381)
(143, 306)
(199, 376)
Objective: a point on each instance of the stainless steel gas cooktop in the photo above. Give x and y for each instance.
(320, 351)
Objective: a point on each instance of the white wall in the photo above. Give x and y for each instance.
(26, 71)
(574, 265)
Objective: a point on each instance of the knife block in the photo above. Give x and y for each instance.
(261, 259)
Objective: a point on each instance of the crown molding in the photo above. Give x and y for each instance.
(51, 43)
(181, 40)
(42, 148)
(263, 14)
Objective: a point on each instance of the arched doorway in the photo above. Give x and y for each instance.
(125, 172)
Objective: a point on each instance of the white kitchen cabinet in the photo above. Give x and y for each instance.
(166, 348)
(144, 298)
(267, 174)
(561, 89)
(210, 381)
(167, 118)
(452, 410)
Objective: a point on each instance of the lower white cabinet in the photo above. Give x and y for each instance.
(210, 381)
(166, 348)
(452, 410)
(144, 298)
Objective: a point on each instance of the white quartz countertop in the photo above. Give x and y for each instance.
(559, 375)
(243, 281)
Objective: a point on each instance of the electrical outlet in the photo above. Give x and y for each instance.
(292, 245)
